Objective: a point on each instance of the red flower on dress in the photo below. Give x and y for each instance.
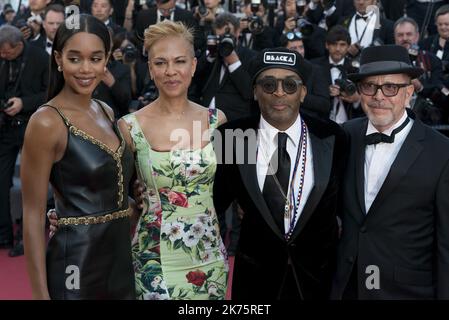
(177, 198)
(196, 277)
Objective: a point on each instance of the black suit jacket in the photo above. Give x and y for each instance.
(32, 88)
(234, 93)
(118, 96)
(406, 230)
(323, 62)
(148, 17)
(317, 101)
(264, 257)
(343, 8)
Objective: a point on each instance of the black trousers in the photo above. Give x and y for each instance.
(11, 140)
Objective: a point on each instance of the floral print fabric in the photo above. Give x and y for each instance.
(177, 249)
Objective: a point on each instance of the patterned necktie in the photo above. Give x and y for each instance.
(377, 137)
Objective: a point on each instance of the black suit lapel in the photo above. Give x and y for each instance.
(214, 77)
(322, 150)
(407, 155)
(359, 152)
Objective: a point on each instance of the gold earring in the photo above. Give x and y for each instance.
(59, 68)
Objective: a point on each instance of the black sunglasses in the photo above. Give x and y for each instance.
(270, 84)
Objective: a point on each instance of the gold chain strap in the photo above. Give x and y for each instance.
(94, 220)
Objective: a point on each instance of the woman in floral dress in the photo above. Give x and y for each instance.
(177, 249)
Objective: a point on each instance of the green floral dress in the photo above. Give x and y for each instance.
(177, 249)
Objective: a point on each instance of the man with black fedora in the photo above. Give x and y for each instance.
(395, 217)
(284, 169)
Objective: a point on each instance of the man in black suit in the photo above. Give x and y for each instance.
(345, 101)
(23, 84)
(53, 17)
(103, 10)
(167, 9)
(325, 13)
(395, 239)
(284, 169)
(367, 27)
(222, 76)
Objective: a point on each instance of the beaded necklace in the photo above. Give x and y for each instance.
(290, 202)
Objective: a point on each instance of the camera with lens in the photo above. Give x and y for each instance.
(4, 104)
(413, 52)
(202, 10)
(129, 53)
(304, 26)
(346, 86)
(255, 24)
(226, 44)
(21, 23)
(151, 94)
(212, 42)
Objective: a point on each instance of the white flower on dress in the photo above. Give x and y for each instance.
(173, 230)
(152, 296)
(189, 239)
(204, 219)
(212, 290)
(198, 230)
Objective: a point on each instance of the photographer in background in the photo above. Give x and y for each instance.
(406, 34)
(167, 10)
(53, 17)
(8, 14)
(205, 14)
(115, 89)
(30, 21)
(256, 33)
(363, 27)
(23, 85)
(223, 70)
(103, 11)
(125, 51)
(293, 19)
(325, 13)
(345, 100)
(317, 100)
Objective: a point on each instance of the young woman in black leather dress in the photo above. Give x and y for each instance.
(74, 142)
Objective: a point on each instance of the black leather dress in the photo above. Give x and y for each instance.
(91, 261)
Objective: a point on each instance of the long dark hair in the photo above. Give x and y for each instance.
(87, 23)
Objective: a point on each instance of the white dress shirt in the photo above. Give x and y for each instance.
(267, 145)
(362, 31)
(47, 48)
(379, 158)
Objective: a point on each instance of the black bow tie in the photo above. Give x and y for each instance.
(375, 138)
(49, 44)
(338, 66)
(358, 16)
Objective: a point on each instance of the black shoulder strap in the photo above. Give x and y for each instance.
(104, 110)
(64, 118)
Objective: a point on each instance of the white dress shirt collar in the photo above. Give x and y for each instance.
(372, 129)
(269, 133)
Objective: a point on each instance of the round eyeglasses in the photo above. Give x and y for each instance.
(388, 89)
(269, 84)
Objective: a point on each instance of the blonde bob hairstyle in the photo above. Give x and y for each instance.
(166, 29)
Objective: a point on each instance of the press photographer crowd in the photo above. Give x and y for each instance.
(322, 52)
